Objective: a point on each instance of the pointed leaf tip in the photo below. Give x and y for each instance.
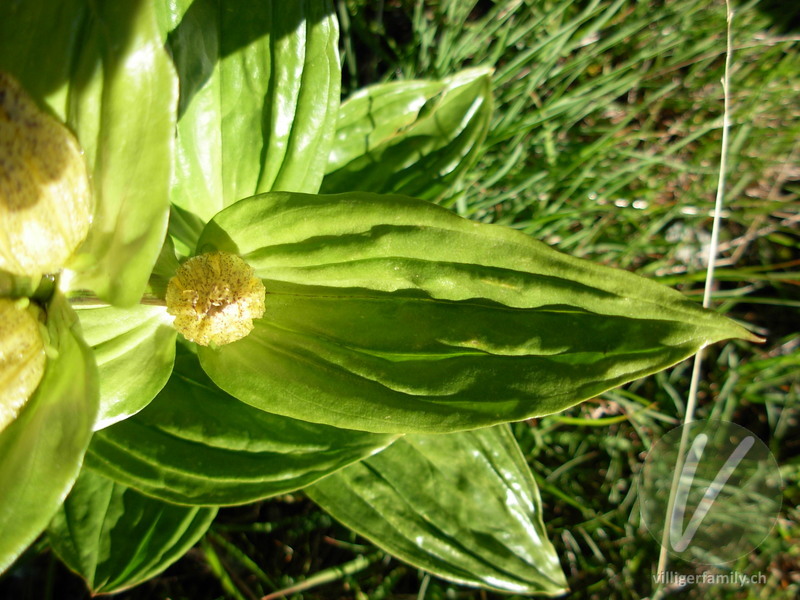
(393, 315)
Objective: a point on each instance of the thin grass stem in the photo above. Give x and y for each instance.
(691, 402)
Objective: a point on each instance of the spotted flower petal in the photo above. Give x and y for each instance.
(214, 298)
(22, 356)
(45, 195)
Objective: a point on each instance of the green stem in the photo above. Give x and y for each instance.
(91, 301)
(663, 558)
(328, 575)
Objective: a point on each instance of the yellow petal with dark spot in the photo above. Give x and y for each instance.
(22, 356)
(45, 194)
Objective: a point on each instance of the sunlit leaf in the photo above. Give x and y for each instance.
(463, 506)
(389, 314)
(259, 94)
(410, 137)
(194, 444)
(135, 350)
(42, 450)
(165, 268)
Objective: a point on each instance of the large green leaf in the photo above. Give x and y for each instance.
(259, 95)
(135, 349)
(410, 137)
(389, 314)
(124, 114)
(38, 46)
(463, 506)
(42, 450)
(114, 537)
(102, 68)
(194, 444)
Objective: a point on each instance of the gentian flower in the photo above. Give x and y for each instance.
(48, 388)
(45, 208)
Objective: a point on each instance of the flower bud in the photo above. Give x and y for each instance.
(214, 298)
(22, 356)
(45, 197)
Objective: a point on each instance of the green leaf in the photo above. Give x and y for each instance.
(389, 314)
(410, 137)
(38, 46)
(115, 538)
(184, 229)
(135, 350)
(259, 95)
(463, 506)
(103, 69)
(169, 14)
(42, 450)
(124, 115)
(165, 268)
(194, 444)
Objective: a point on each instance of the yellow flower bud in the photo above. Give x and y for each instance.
(45, 197)
(214, 298)
(22, 356)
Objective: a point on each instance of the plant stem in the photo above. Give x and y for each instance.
(91, 301)
(328, 575)
(691, 403)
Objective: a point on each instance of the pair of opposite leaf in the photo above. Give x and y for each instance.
(429, 265)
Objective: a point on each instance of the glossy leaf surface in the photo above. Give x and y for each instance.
(42, 450)
(410, 137)
(125, 117)
(135, 350)
(103, 69)
(463, 506)
(194, 444)
(115, 537)
(259, 95)
(389, 314)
